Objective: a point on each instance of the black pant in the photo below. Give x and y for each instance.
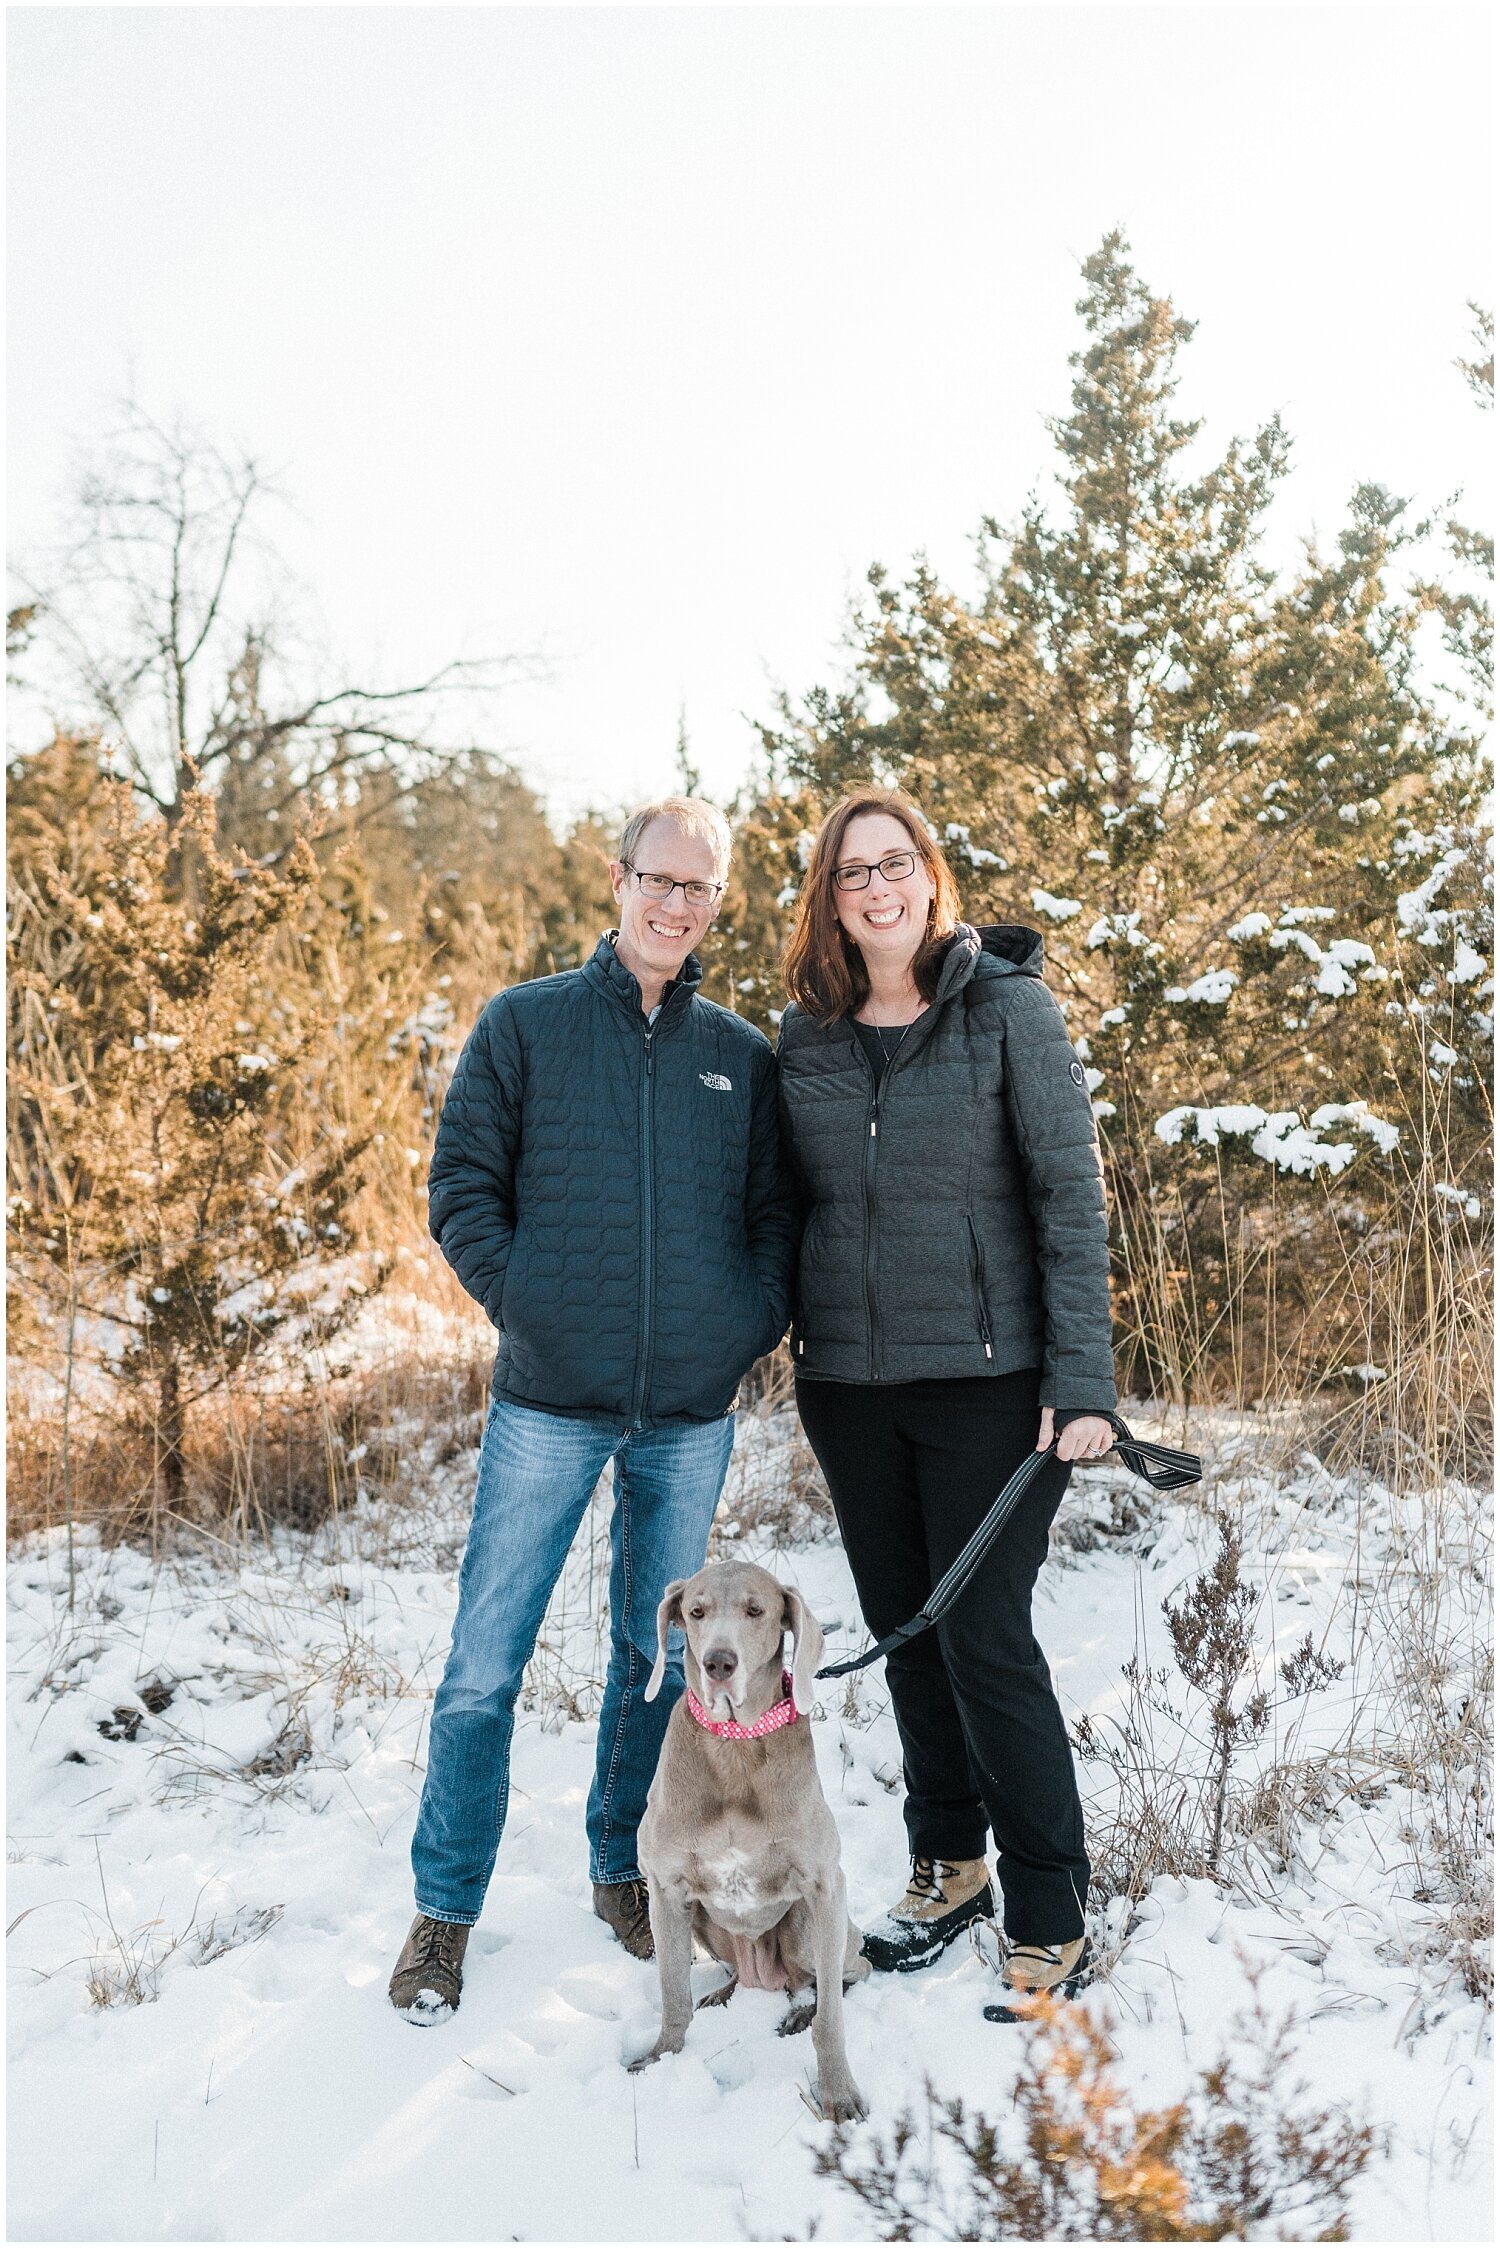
(913, 1468)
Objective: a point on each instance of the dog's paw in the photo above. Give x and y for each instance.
(796, 2019)
(659, 2051)
(842, 2103)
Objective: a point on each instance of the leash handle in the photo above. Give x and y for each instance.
(1160, 1465)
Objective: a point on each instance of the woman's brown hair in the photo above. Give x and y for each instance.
(822, 967)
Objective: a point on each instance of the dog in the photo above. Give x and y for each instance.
(738, 1844)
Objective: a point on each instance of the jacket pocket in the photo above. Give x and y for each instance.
(513, 1319)
(976, 1277)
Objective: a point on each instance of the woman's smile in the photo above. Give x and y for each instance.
(889, 915)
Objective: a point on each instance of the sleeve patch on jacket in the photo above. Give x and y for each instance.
(1075, 1071)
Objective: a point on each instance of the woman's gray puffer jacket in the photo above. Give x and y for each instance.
(955, 1217)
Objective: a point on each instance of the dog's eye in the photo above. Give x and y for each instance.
(696, 1614)
(752, 1610)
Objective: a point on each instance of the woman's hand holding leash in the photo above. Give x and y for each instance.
(1087, 1438)
(1160, 1466)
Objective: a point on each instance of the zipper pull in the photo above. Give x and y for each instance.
(873, 1134)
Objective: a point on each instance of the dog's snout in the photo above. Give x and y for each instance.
(721, 1663)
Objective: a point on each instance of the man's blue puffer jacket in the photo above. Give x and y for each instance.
(615, 1195)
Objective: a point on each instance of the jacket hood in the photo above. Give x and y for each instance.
(1018, 947)
(1014, 950)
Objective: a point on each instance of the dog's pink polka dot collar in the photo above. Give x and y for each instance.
(780, 1713)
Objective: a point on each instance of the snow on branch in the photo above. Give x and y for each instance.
(1211, 989)
(1281, 1137)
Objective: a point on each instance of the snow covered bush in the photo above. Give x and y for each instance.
(1256, 839)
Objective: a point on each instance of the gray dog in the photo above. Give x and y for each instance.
(738, 1845)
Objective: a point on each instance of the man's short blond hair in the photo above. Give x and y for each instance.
(695, 817)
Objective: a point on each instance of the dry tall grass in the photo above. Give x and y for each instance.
(1410, 1452)
(325, 1440)
(314, 1433)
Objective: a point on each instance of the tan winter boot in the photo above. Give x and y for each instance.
(1030, 1967)
(942, 1897)
(1061, 1970)
(430, 1972)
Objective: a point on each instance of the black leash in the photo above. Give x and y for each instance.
(1162, 1467)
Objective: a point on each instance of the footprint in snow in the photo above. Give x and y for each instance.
(732, 2068)
(585, 1996)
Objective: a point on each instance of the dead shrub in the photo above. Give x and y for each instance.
(1153, 1824)
(1247, 2150)
(293, 1746)
(290, 1455)
(774, 1492)
(217, 1938)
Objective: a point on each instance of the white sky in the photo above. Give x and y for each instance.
(641, 332)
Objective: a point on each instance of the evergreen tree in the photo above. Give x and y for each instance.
(1215, 793)
(182, 1160)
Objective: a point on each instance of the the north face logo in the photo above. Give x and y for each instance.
(714, 1082)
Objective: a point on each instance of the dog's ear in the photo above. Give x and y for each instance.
(807, 1646)
(669, 1612)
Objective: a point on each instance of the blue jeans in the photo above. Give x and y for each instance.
(537, 1473)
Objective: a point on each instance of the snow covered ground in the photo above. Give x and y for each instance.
(205, 1908)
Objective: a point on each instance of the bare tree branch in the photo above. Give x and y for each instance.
(155, 610)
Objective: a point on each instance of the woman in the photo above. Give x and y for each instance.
(953, 1311)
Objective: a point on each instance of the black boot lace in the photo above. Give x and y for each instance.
(439, 1944)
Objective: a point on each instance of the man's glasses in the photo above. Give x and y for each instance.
(895, 866)
(662, 886)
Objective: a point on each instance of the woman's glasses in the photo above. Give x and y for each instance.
(895, 866)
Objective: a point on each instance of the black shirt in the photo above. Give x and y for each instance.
(881, 1041)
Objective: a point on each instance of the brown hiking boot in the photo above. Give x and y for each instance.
(624, 1906)
(430, 1972)
(942, 1897)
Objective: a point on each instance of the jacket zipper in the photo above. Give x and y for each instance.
(976, 1266)
(872, 1145)
(648, 1226)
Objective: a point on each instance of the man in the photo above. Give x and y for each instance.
(608, 1184)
